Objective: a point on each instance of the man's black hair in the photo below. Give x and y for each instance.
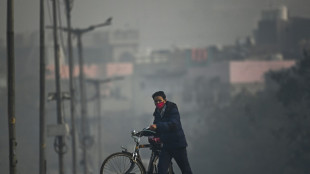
(159, 93)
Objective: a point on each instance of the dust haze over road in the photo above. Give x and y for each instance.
(241, 134)
(162, 23)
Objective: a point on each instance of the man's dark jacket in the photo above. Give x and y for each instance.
(169, 127)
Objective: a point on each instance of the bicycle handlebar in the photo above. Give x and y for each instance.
(144, 132)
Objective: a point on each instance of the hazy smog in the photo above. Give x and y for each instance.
(238, 70)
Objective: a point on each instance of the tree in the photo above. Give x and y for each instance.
(267, 132)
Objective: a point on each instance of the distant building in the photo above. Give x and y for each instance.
(118, 93)
(218, 82)
(215, 82)
(249, 75)
(279, 33)
(115, 46)
(161, 56)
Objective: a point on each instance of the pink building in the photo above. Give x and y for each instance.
(253, 71)
(240, 75)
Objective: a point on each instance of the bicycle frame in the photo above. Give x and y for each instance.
(136, 154)
(134, 157)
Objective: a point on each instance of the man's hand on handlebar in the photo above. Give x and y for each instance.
(153, 127)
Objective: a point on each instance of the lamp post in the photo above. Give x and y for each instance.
(85, 126)
(60, 120)
(97, 83)
(84, 122)
(42, 144)
(72, 94)
(11, 86)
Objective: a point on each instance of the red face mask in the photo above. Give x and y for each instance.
(160, 105)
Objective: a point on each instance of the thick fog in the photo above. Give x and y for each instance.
(161, 23)
(243, 97)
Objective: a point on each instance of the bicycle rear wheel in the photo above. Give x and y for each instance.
(120, 163)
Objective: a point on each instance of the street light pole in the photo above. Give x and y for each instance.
(60, 138)
(11, 86)
(42, 145)
(72, 94)
(84, 125)
(84, 120)
(97, 86)
(97, 83)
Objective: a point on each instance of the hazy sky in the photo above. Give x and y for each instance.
(162, 23)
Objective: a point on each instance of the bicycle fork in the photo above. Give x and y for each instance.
(131, 167)
(133, 159)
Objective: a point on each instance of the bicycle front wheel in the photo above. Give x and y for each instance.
(121, 163)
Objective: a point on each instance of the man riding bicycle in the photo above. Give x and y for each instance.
(167, 125)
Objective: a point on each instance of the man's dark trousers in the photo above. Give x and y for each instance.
(179, 155)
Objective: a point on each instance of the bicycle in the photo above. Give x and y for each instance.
(125, 162)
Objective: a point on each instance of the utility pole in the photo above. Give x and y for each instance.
(11, 86)
(72, 94)
(97, 86)
(60, 138)
(85, 125)
(84, 122)
(97, 83)
(42, 145)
